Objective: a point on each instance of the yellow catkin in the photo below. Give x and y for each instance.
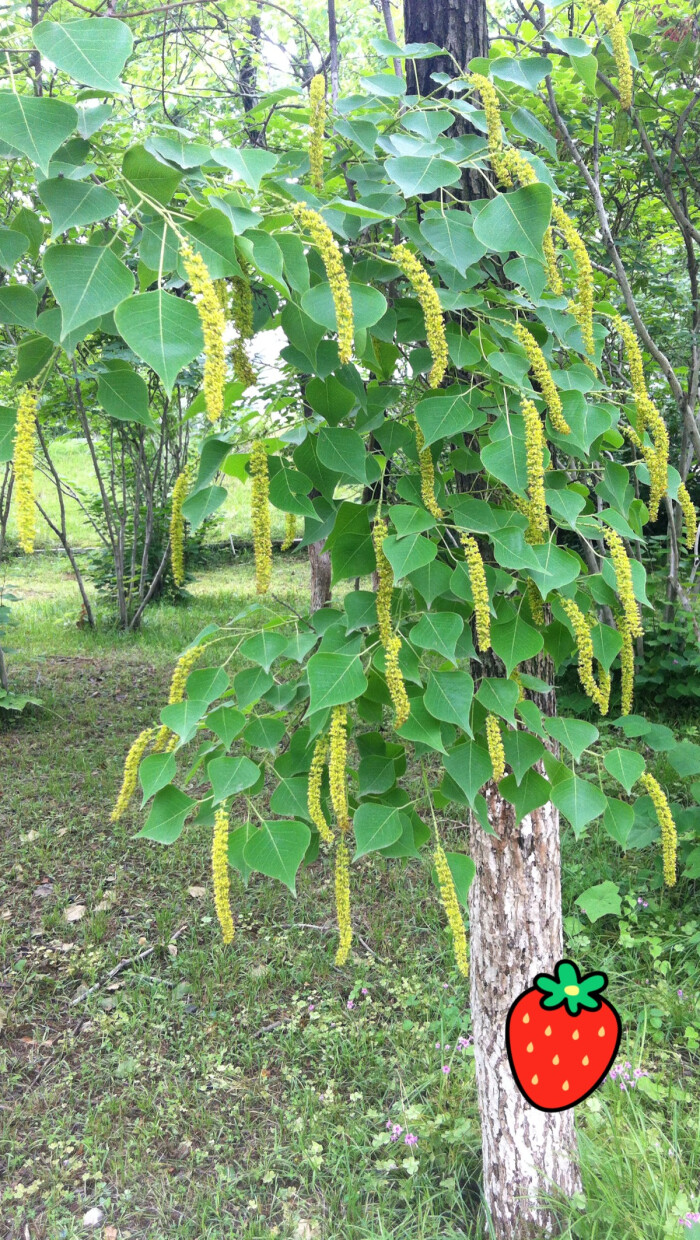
(513, 166)
(429, 300)
(541, 372)
(337, 275)
(242, 308)
(337, 763)
(390, 640)
(554, 280)
(517, 680)
(608, 14)
(690, 517)
(492, 113)
(290, 531)
(183, 667)
(213, 321)
(427, 474)
(260, 516)
(23, 467)
(669, 837)
(535, 445)
(177, 528)
(480, 592)
(626, 666)
(313, 790)
(342, 901)
(582, 308)
(131, 770)
(497, 753)
(648, 418)
(220, 875)
(534, 598)
(623, 577)
(600, 694)
(317, 105)
(450, 903)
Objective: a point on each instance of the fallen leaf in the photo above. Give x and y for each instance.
(110, 1233)
(29, 837)
(75, 912)
(172, 949)
(6, 914)
(197, 893)
(143, 940)
(43, 890)
(105, 905)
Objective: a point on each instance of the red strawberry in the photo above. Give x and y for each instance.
(561, 1037)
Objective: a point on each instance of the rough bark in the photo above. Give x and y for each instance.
(460, 26)
(516, 931)
(320, 565)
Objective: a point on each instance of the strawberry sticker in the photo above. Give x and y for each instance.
(562, 1037)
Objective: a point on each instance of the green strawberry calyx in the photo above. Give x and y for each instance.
(570, 989)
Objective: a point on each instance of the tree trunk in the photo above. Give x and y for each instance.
(460, 26)
(515, 924)
(320, 565)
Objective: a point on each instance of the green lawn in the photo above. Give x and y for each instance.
(72, 460)
(211, 1093)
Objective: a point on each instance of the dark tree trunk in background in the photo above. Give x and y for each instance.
(320, 564)
(248, 75)
(457, 25)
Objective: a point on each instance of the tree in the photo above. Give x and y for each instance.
(411, 322)
(458, 26)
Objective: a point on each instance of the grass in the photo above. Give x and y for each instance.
(207, 1093)
(72, 460)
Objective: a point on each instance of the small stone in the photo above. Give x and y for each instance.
(93, 1217)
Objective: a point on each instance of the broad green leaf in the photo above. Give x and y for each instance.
(343, 451)
(415, 174)
(431, 581)
(148, 176)
(532, 792)
(528, 125)
(386, 85)
(361, 132)
(408, 554)
(334, 679)
(226, 722)
(250, 685)
(422, 727)
(516, 221)
(375, 826)
(525, 71)
(361, 609)
(290, 798)
(87, 281)
(183, 717)
(409, 520)
(462, 869)
(603, 900)
(18, 305)
(522, 751)
(515, 641)
(499, 697)
(579, 801)
(32, 356)
(74, 203)
(264, 648)
(470, 767)
(368, 304)
(408, 51)
(685, 759)
(444, 416)
(93, 51)
(247, 164)
(587, 69)
(237, 842)
(439, 631)
(505, 456)
(35, 126)
(350, 542)
(206, 684)
(167, 817)
(289, 490)
(262, 252)
(330, 398)
(575, 734)
(28, 222)
(229, 776)
(8, 419)
(124, 395)
(174, 147)
(211, 236)
(557, 568)
(625, 765)
(161, 329)
(157, 770)
(618, 820)
(377, 774)
(277, 849)
(200, 505)
(451, 234)
(449, 697)
(12, 246)
(265, 733)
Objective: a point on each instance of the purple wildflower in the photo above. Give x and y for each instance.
(410, 1139)
(446, 1069)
